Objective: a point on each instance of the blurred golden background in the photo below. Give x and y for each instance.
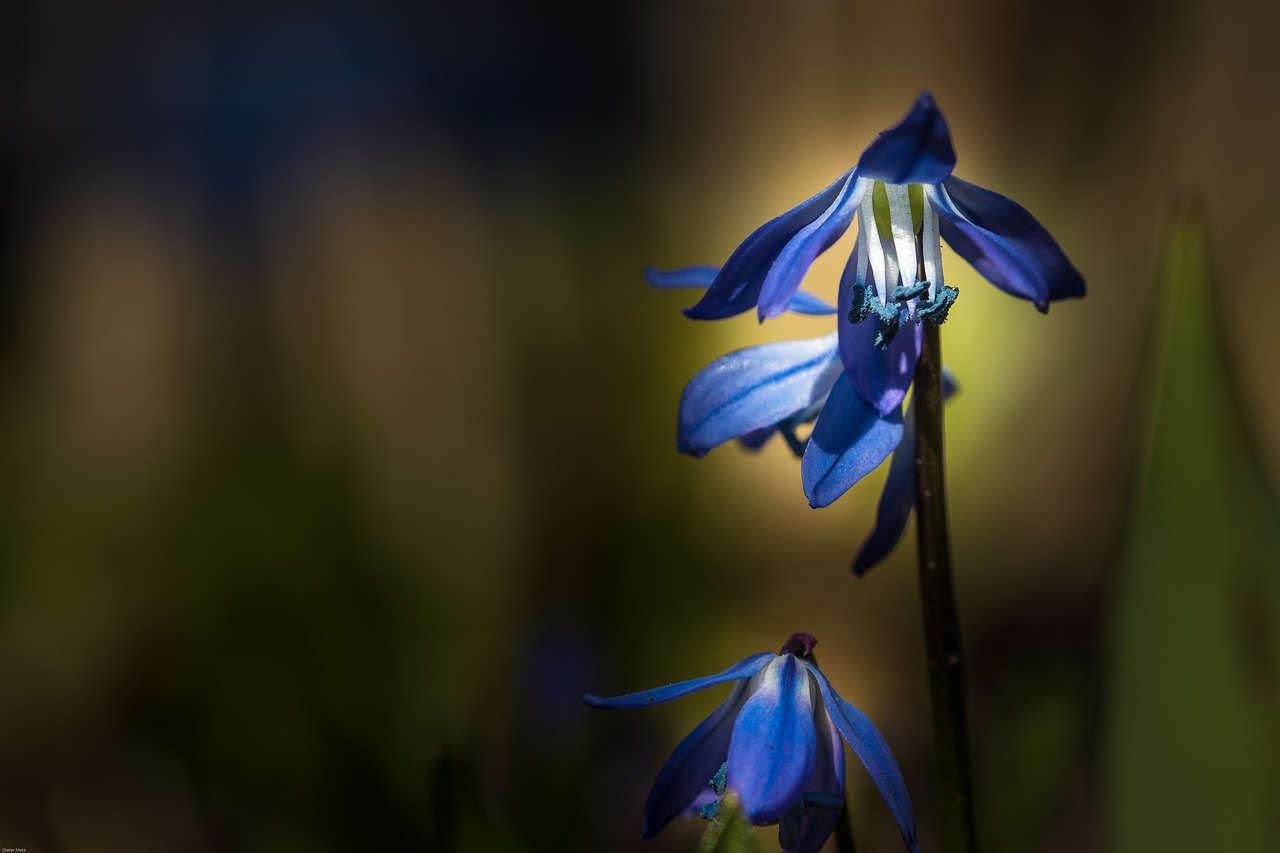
(337, 422)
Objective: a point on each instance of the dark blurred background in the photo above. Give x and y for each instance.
(337, 423)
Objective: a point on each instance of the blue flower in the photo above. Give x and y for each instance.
(903, 194)
(775, 743)
(753, 393)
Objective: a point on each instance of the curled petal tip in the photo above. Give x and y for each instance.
(917, 150)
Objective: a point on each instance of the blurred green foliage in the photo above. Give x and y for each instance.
(1194, 684)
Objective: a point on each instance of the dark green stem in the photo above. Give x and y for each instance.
(941, 627)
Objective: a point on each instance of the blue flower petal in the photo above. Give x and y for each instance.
(737, 287)
(687, 773)
(849, 440)
(871, 749)
(744, 668)
(917, 150)
(896, 501)
(803, 302)
(828, 778)
(754, 388)
(800, 252)
(773, 748)
(699, 277)
(1005, 243)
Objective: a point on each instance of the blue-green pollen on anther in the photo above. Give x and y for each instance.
(889, 316)
(902, 294)
(719, 781)
(935, 310)
(718, 784)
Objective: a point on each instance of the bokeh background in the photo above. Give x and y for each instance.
(337, 423)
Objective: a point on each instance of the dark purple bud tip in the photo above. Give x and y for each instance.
(799, 644)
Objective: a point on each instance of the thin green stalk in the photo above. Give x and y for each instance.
(941, 626)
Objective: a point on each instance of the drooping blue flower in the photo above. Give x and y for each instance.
(775, 743)
(903, 194)
(753, 393)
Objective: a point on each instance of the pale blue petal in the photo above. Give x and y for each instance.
(773, 748)
(686, 775)
(737, 287)
(803, 302)
(917, 150)
(744, 668)
(754, 388)
(849, 440)
(803, 249)
(871, 749)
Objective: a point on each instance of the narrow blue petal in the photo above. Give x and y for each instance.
(754, 388)
(898, 498)
(699, 277)
(917, 150)
(744, 668)
(803, 302)
(687, 773)
(871, 749)
(1005, 243)
(800, 252)
(896, 501)
(773, 748)
(737, 287)
(827, 778)
(849, 440)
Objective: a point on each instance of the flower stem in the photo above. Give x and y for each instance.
(941, 626)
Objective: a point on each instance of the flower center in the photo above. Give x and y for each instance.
(897, 264)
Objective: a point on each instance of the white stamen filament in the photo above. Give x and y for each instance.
(891, 273)
(904, 233)
(861, 251)
(875, 252)
(932, 249)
